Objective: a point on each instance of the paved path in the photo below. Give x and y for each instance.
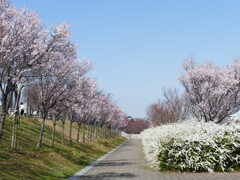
(127, 163)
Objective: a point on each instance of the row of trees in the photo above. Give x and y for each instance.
(211, 93)
(43, 63)
(136, 126)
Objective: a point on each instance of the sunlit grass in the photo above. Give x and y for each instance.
(28, 162)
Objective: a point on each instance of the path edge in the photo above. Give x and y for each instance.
(89, 167)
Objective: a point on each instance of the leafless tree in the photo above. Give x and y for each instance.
(171, 109)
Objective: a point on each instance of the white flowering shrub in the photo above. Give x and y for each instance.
(193, 146)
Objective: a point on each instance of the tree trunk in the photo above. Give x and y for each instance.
(70, 132)
(10, 100)
(83, 138)
(89, 131)
(39, 144)
(95, 132)
(16, 121)
(63, 138)
(13, 134)
(105, 132)
(98, 132)
(102, 133)
(3, 116)
(110, 131)
(78, 133)
(53, 131)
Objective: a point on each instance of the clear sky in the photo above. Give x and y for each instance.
(138, 46)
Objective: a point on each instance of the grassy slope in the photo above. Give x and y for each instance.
(47, 163)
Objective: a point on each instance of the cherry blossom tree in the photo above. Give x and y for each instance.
(117, 119)
(85, 108)
(110, 117)
(56, 84)
(213, 93)
(21, 38)
(159, 113)
(136, 126)
(84, 89)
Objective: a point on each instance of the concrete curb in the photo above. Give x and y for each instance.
(86, 169)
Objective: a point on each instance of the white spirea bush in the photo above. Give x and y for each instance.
(193, 146)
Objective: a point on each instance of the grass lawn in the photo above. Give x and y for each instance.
(28, 162)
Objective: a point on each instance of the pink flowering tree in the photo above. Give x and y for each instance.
(213, 93)
(57, 84)
(21, 39)
(110, 117)
(81, 100)
(118, 120)
(85, 108)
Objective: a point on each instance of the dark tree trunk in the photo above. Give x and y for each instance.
(89, 131)
(102, 132)
(78, 133)
(95, 132)
(63, 137)
(70, 132)
(84, 129)
(16, 119)
(53, 131)
(3, 116)
(39, 143)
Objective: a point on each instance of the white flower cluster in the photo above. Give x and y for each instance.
(193, 146)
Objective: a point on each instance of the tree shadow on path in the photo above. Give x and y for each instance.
(114, 163)
(107, 175)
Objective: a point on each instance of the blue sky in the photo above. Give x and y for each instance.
(138, 46)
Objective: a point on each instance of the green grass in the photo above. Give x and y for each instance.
(28, 162)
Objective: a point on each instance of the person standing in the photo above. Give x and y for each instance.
(21, 107)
